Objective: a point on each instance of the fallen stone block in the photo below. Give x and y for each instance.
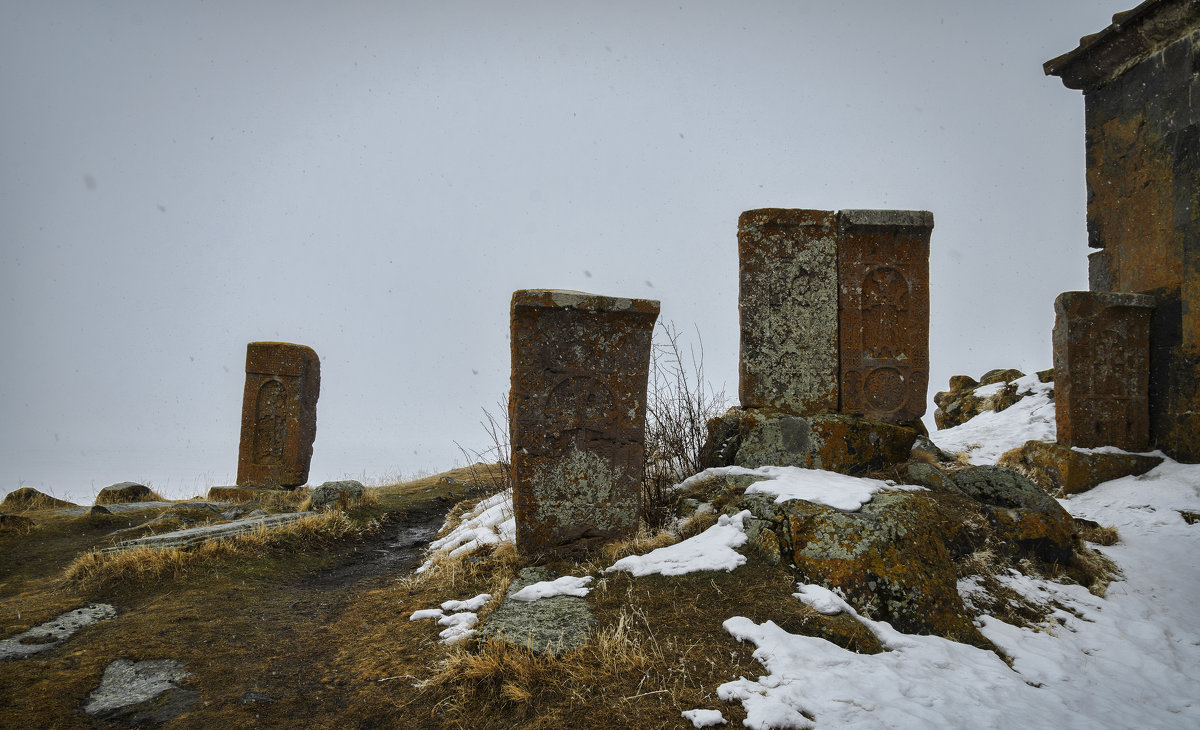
(196, 535)
(552, 625)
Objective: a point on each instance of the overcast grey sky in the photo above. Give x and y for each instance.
(375, 179)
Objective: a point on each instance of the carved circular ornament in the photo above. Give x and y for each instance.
(885, 389)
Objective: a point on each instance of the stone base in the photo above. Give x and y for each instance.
(834, 442)
(1060, 469)
(241, 494)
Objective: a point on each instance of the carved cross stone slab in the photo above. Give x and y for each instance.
(1102, 369)
(577, 414)
(279, 414)
(883, 279)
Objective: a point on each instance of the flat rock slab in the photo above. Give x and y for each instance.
(195, 535)
(52, 633)
(140, 692)
(121, 508)
(546, 626)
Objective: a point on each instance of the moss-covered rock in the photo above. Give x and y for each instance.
(1021, 512)
(27, 498)
(1060, 469)
(888, 559)
(124, 492)
(835, 442)
(965, 399)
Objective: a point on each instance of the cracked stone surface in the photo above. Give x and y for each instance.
(145, 691)
(54, 632)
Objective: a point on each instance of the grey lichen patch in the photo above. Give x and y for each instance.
(788, 299)
(52, 633)
(579, 489)
(782, 442)
(548, 625)
(128, 690)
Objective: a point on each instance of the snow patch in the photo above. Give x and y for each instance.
(712, 549)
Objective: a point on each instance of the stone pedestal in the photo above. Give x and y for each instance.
(1102, 369)
(883, 282)
(788, 303)
(279, 414)
(577, 413)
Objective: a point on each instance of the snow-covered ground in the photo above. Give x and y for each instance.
(986, 436)
(1129, 660)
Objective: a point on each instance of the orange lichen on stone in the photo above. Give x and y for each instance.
(1060, 469)
(279, 414)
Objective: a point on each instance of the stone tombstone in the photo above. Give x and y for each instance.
(1141, 96)
(577, 414)
(883, 302)
(787, 302)
(279, 414)
(1102, 369)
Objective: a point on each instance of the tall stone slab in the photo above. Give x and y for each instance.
(883, 302)
(279, 414)
(1102, 369)
(577, 414)
(787, 301)
(1141, 94)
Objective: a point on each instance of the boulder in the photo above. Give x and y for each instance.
(1061, 469)
(968, 398)
(125, 492)
(834, 442)
(28, 498)
(1005, 375)
(551, 625)
(888, 558)
(1020, 511)
(336, 494)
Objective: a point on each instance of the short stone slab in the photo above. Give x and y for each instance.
(141, 693)
(138, 506)
(196, 535)
(54, 632)
(546, 626)
(1062, 469)
(336, 494)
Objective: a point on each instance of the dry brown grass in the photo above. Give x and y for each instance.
(1099, 534)
(96, 569)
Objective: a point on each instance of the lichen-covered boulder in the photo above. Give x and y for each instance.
(834, 442)
(1060, 469)
(968, 398)
(888, 559)
(336, 494)
(1020, 511)
(125, 492)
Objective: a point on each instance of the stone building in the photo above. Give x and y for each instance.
(1140, 79)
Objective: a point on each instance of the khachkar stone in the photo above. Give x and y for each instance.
(1102, 369)
(883, 282)
(577, 413)
(788, 303)
(279, 414)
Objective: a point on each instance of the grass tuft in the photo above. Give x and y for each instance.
(96, 569)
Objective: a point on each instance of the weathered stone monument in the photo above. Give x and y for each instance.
(1102, 369)
(1142, 115)
(577, 414)
(883, 305)
(834, 364)
(788, 300)
(835, 312)
(279, 414)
